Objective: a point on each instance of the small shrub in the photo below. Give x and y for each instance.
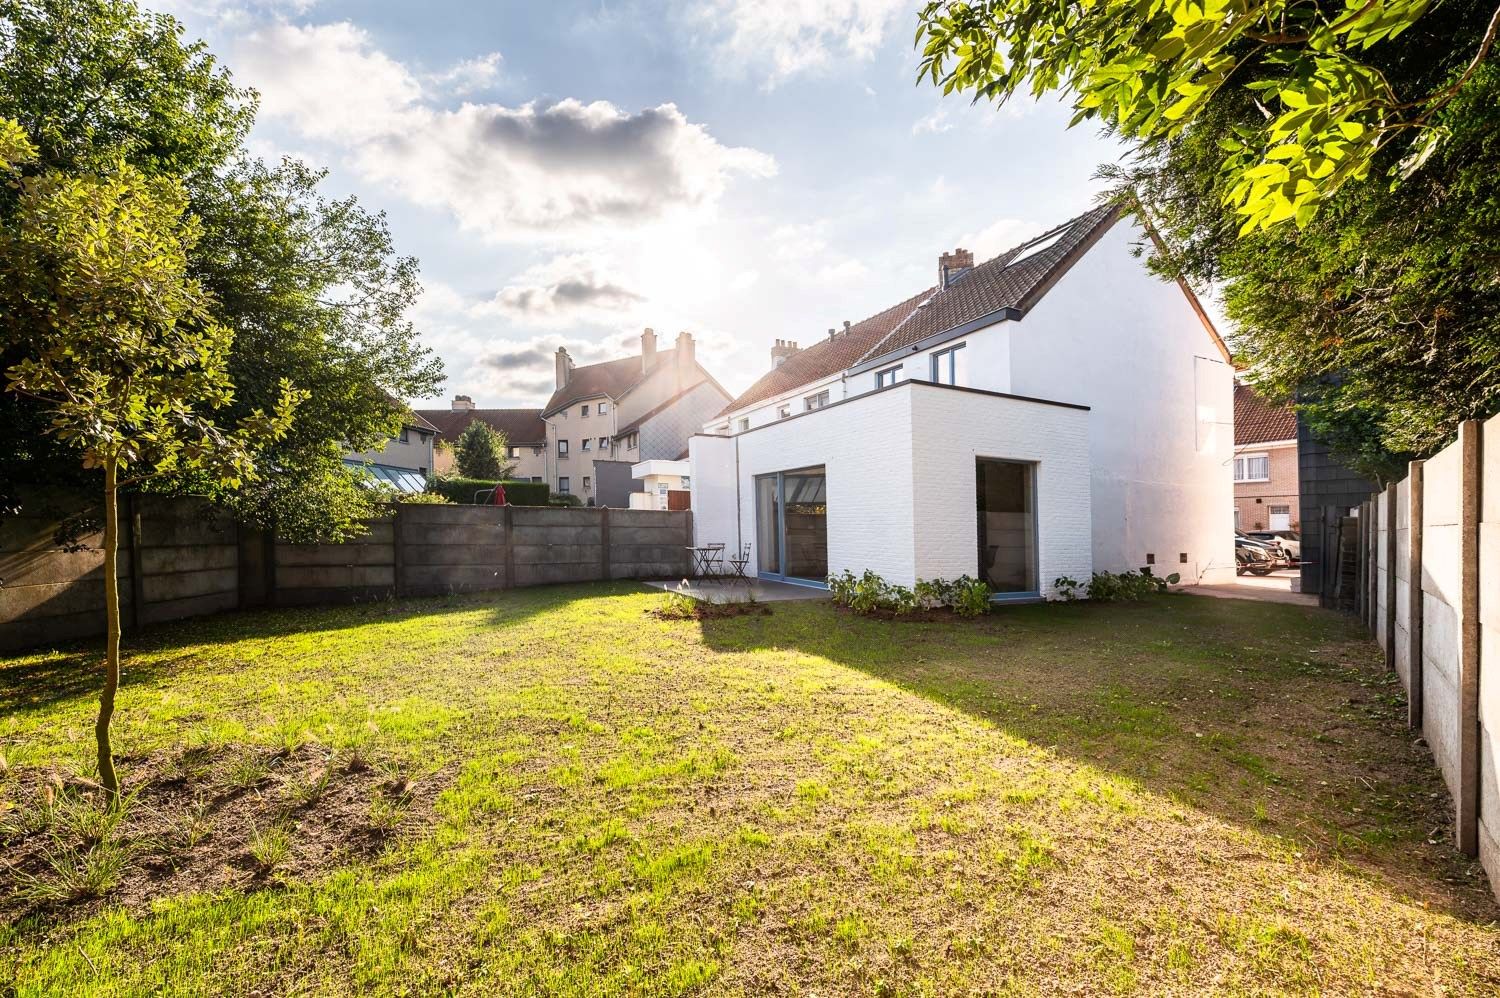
(677, 606)
(76, 874)
(564, 499)
(869, 593)
(971, 599)
(422, 499)
(1111, 587)
(1069, 589)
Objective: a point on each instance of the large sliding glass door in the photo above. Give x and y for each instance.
(791, 525)
(1006, 505)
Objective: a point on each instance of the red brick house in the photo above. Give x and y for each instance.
(1265, 463)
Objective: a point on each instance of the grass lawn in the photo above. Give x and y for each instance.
(550, 791)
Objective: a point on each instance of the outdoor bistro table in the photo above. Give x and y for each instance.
(703, 560)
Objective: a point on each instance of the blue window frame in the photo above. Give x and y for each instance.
(791, 526)
(945, 365)
(888, 376)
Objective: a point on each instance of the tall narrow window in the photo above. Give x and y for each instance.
(562, 448)
(562, 485)
(948, 366)
(1006, 510)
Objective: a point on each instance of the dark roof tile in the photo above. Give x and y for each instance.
(520, 426)
(1257, 421)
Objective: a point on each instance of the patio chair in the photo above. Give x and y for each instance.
(738, 564)
(713, 561)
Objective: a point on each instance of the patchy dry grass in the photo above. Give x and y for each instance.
(552, 791)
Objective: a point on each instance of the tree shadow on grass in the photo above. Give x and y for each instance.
(41, 678)
(1276, 718)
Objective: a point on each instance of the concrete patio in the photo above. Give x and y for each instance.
(763, 590)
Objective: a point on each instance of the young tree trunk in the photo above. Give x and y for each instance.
(111, 636)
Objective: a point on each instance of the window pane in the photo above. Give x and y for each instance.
(767, 528)
(806, 524)
(1007, 526)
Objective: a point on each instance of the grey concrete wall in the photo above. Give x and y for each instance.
(1489, 652)
(1441, 571)
(1439, 617)
(194, 560)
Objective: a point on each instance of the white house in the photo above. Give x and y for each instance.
(1051, 412)
(658, 479)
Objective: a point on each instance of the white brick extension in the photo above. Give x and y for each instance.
(900, 467)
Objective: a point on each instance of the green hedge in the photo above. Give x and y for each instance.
(461, 490)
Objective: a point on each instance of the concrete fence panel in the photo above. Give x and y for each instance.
(1400, 652)
(1380, 563)
(1442, 512)
(1488, 578)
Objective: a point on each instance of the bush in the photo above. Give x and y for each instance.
(1112, 587)
(421, 499)
(461, 490)
(869, 593)
(564, 499)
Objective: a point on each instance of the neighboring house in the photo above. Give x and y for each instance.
(525, 433)
(1265, 463)
(406, 459)
(1051, 412)
(604, 418)
(657, 480)
(1327, 489)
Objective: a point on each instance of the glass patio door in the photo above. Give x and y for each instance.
(1007, 525)
(791, 525)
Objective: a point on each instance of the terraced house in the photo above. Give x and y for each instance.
(1052, 411)
(604, 418)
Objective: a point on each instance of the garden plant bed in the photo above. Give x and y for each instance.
(1180, 795)
(197, 820)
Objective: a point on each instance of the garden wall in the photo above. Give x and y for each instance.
(1430, 558)
(181, 558)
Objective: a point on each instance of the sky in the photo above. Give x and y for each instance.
(571, 173)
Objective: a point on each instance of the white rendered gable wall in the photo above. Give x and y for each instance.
(1113, 336)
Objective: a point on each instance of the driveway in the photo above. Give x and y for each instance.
(1273, 588)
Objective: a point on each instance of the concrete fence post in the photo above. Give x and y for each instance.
(1389, 623)
(508, 521)
(604, 543)
(1468, 638)
(1414, 597)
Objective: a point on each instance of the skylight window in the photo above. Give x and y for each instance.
(1034, 248)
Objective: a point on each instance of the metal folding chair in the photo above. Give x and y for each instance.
(713, 561)
(739, 563)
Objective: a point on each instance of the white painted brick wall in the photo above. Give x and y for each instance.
(953, 430)
(900, 505)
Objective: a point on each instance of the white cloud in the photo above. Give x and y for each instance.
(470, 75)
(935, 123)
(504, 172)
(566, 290)
(997, 237)
(781, 38)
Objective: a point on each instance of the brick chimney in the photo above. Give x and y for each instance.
(564, 367)
(951, 265)
(686, 360)
(648, 349)
(782, 350)
(462, 403)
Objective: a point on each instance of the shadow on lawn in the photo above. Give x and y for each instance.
(1276, 718)
(39, 678)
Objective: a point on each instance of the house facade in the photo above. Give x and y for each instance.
(656, 481)
(406, 459)
(604, 418)
(1266, 483)
(525, 435)
(1051, 412)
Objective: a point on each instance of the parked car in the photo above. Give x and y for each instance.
(1289, 541)
(1253, 557)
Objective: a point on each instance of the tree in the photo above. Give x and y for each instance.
(1148, 70)
(126, 359)
(480, 452)
(1378, 314)
(311, 288)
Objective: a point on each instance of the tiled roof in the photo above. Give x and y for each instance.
(421, 422)
(997, 284)
(640, 420)
(612, 378)
(1256, 421)
(990, 287)
(828, 356)
(520, 426)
